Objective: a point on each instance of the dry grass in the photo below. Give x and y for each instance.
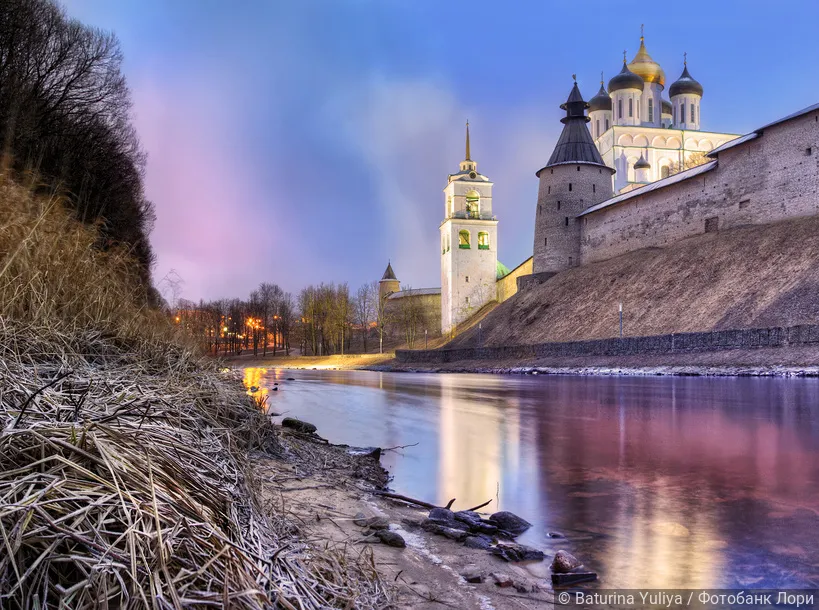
(125, 471)
(753, 276)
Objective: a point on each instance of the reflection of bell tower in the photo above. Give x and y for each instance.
(469, 245)
(388, 283)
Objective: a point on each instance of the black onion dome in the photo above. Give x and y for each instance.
(575, 143)
(642, 163)
(626, 80)
(667, 107)
(601, 101)
(685, 84)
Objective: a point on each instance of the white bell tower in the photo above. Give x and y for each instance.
(469, 244)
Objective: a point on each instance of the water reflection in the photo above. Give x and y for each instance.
(660, 482)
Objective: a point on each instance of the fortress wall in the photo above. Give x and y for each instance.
(764, 180)
(508, 284)
(719, 340)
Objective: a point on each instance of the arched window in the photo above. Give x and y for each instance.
(693, 115)
(463, 239)
(443, 244)
(619, 109)
(607, 124)
(449, 209)
(597, 127)
(473, 204)
(664, 171)
(650, 110)
(570, 187)
(630, 107)
(682, 112)
(483, 240)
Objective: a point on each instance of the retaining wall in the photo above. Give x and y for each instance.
(710, 341)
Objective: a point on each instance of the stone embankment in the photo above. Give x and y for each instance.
(659, 347)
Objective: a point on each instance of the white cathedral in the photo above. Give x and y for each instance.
(638, 133)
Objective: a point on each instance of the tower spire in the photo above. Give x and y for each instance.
(642, 32)
(468, 155)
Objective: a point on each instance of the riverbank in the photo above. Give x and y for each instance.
(794, 361)
(336, 361)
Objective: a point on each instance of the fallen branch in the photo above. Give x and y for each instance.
(398, 447)
(408, 500)
(450, 503)
(489, 501)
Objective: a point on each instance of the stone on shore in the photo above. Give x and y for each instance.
(391, 538)
(442, 515)
(510, 522)
(298, 425)
(360, 519)
(377, 523)
(477, 542)
(442, 530)
(576, 576)
(517, 552)
(502, 580)
(564, 562)
(472, 574)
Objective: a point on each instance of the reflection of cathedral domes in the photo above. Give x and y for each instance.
(626, 80)
(601, 101)
(685, 84)
(645, 67)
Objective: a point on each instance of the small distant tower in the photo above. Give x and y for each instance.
(388, 283)
(574, 179)
(600, 111)
(469, 244)
(686, 94)
(626, 90)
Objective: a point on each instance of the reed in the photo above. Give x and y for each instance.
(125, 471)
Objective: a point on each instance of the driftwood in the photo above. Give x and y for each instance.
(408, 500)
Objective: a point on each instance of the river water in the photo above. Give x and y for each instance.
(663, 482)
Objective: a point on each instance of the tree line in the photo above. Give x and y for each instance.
(65, 122)
(322, 319)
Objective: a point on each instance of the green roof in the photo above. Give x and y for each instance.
(501, 270)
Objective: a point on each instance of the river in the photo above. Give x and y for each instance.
(663, 482)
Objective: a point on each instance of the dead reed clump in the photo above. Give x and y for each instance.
(125, 476)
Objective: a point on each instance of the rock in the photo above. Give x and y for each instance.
(564, 562)
(298, 425)
(391, 538)
(457, 525)
(469, 517)
(510, 522)
(573, 577)
(374, 454)
(442, 530)
(472, 574)
(442, 515)
(517, 552)
(526, 587)
(377, 523)
(360, 519)
(275, 383)
(477, 542)
(291, 379)
(485, 528)
(276, 390)
(555, 535)
(411, 523)
(501, 580)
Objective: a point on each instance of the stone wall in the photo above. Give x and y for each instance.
(769, 178)
(711, 341)
(428, 313)
(507, 286)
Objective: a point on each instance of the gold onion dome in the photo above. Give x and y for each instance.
(645, 67)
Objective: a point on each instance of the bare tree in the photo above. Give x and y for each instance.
(410, 314)
(364, 306)
(693, 160)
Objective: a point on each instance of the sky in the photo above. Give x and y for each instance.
(307, 141)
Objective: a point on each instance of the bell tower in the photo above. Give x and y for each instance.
(469, 244)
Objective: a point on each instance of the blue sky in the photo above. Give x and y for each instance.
(309, 140)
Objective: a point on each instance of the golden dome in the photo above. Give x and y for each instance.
(645, 67)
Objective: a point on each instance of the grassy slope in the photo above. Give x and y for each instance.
(752, 276)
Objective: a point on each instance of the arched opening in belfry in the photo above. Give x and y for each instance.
(473, 204)
(463, 239)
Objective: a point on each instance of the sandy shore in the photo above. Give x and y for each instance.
(770, 362)
(322, 487)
